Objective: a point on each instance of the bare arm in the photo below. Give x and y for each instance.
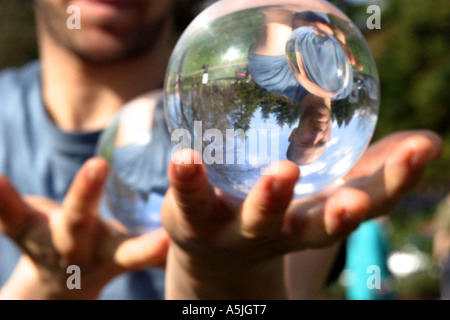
(275, 30)
(307, 271)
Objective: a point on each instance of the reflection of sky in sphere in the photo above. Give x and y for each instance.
(342, 151)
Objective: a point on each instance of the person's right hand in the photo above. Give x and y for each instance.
(55, 236)
(223, 249)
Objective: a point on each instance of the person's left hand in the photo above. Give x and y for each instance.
(55, 236)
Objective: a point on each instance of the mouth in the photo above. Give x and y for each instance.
(105, 5)
(311, 145)
(321, 125)
(118, 14)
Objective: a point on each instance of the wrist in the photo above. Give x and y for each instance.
(190, 277)
(28, 283)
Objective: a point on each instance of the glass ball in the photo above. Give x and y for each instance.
(137, 147)
(252, 82)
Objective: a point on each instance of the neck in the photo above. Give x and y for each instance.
(85, 97)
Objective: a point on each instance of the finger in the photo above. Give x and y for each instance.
(42, 204)
(263, 210)
(403, 169)
(74, 230)
(316, 224)
(376, 155)
(80, 206)
(190, 188)
(15, 215)
(345, 210)
(147, 250)
(382, 176)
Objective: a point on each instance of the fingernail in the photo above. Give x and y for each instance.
(346, 218)
(272, 169)
(95, 174)
(281, 187)
(339, 223)
(185, 171)
(186, 156)
(419, 159)
(352, 220)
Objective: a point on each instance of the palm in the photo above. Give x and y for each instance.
(46, 241)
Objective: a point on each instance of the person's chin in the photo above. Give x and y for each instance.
(101, 48)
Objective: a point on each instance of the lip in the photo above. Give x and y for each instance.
(117, 14)
(105, 6)
(110, 2)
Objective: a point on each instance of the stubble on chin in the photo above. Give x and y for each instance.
(97, 45)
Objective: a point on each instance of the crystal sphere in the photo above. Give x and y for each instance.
(252, 82)
(137, 146)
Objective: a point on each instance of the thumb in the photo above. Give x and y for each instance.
(15, 215)
(147, 250)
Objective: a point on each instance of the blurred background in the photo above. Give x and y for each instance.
(412, 51)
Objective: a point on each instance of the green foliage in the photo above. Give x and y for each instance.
(238, 100)
(412, 51)
(17, 33)
(251, 96)
(209, 44)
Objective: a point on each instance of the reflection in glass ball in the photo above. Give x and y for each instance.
(137, 146)
(318, 61)
(251, 82)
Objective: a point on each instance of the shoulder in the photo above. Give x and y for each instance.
(19, 91)
(16, 84)
(20, 74)
(15, 78)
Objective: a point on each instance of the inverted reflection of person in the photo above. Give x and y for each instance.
(325, 60)
(307, 142)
